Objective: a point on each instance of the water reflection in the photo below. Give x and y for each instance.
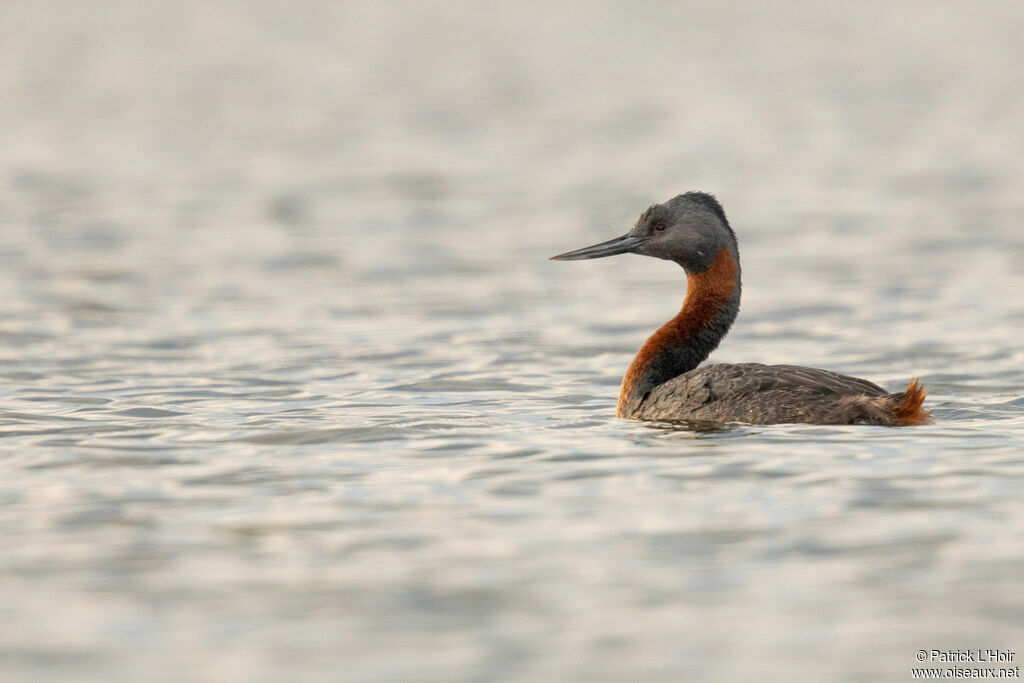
(289, 387)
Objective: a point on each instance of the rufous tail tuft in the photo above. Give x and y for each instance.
(909, 409)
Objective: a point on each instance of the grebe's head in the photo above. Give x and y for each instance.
(690, 229)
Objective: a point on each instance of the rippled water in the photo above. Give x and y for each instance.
(289, 390)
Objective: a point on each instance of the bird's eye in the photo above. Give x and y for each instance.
(660, 226)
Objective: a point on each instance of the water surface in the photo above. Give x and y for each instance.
(288, 388)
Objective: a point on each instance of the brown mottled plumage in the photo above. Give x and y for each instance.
(773, 394)
(664, 381)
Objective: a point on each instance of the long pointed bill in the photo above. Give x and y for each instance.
(620, 245)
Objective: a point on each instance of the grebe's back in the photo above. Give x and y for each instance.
(774, 394)
(664, 381)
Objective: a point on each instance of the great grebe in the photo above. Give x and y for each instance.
(664, 381)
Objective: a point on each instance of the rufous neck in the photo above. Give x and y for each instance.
(680, 345)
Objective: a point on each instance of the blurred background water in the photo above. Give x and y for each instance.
(288, 389)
